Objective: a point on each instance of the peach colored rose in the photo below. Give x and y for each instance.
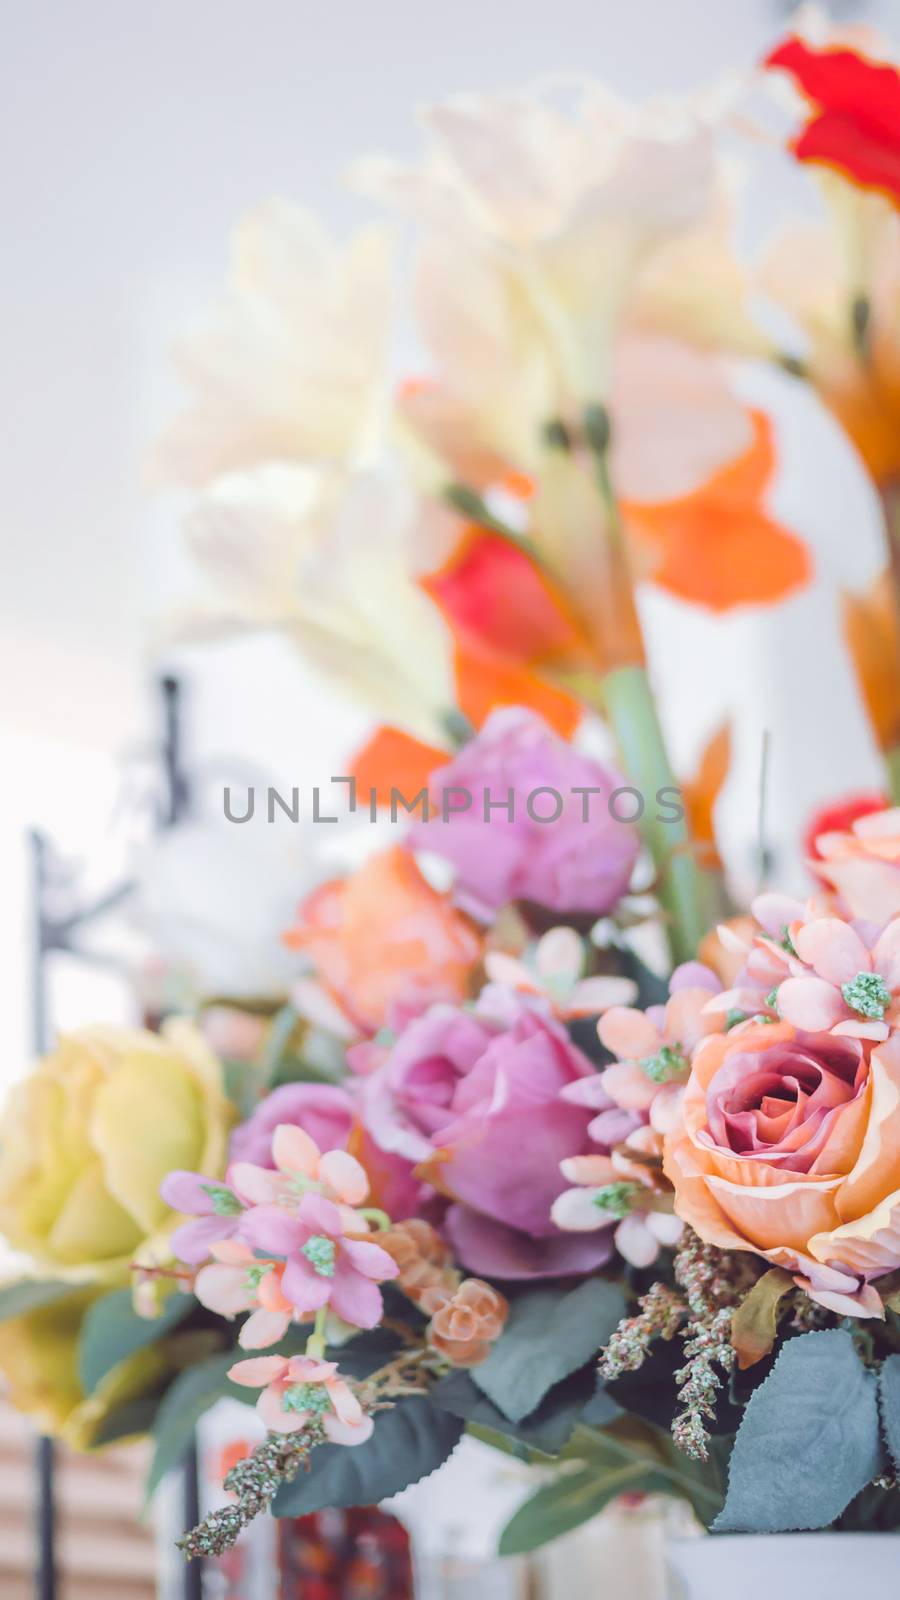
(789, 1145)
(863, 865)
(383, 938)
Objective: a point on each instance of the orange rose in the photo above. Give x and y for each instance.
(382, 938)
(789, 1145)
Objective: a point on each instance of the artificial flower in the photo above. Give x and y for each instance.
(237, 1280)
(382, 937)
(854, 111)
(215, 1209)
(323, 1110)
(325, 558)
(552, 974)
(89, 1136)
(788, 1146)
(872, 636)
(290, 364)
(297, 1391)
(570, 854)
(851, 985)
(863, 864)
(475, 1102)
(465, 1320)
(611, 1191)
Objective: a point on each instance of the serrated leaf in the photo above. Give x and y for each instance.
(112, 1330)
(573, 1498)
(550, 1334)
(889, 1395)
(809, 1441)
(182, 1406)
(754, 1326)
(408, 1443)
(30, 1294)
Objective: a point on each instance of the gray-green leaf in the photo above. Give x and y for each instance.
(889, 1382)
(809, 1441)
(30, 1294)
(408, 1443)
(192, 1394)
(112, 1330)
(549, 1334)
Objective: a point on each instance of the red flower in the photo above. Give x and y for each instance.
(854, 125)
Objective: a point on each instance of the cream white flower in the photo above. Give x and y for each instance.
(291, 364)
(535, 223)
(327, 559)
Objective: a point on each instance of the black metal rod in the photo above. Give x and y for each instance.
(45, 1454)
(190, 1509)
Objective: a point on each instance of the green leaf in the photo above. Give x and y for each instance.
(112, 1330)
(127, 1421)
(889, 1396)
(573, 1498)
(408, 1443)
(549, 1427)
(549, 1334)
(192, 1393)
(30, 1294)
(809, 1441)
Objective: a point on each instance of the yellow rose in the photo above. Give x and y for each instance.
(39, 1366)
(87, 1138)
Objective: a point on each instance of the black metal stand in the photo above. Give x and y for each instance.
(52, 932)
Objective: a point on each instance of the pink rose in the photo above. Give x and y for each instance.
(578, 860)
(477, 1105)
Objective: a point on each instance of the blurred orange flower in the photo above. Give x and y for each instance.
(872, 634)
(383, 938)
(854, 120)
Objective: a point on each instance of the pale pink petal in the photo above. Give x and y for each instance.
(294, 1151)
(812, 1004)
(593, 995)
(303, 1286)
(665, 1112)
(354, 1297)
(878, 824)
(232, 1252)
(886, 955)
(369, 1259)
(666, 1227)
(321, 1215)
(508, 972)
(587, 1092)
(316, 1005)
(833, 949)
(635, 1242)
(560, 954)
(775, 912)
(591, 1170)
(628, 1033)
(263, 1328)
(349, 1433)
(223, 1289)
(256, 1185)
(856, 1028)
(273, 1230)
(258, 1371)
(866, 1302)
(346, 1406)
(575, 1212)
(277, 1420)
(628, 1085)
(343, 1174)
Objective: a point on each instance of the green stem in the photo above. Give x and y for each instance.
(315, 1344)
(685, 893)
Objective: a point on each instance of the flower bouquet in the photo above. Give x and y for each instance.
(550, 1140)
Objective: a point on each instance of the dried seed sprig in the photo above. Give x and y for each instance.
(661, 1315)
(254, 1482)
(713, 1282)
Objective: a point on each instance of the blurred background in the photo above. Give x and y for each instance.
(133, 139)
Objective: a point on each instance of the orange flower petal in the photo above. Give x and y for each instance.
(392, 759)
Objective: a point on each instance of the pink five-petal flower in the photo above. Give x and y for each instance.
(240, 1281)
(327, 1264)
(300, 1166)
(611, 1190)
(215, 1206)
(299, 1389)
(844, 981)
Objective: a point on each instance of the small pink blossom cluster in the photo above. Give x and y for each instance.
(288, 1244)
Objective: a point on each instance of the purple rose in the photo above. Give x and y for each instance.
(578, 859)
(477, 1105)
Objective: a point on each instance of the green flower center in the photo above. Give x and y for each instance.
(786, 941)
(867, 994)
(320, 1253)
(224, 1203)
(255, 1277)
(311, 1397)
(617, 1198)
(669, 1062)
(772, 999)
(732, 1018)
